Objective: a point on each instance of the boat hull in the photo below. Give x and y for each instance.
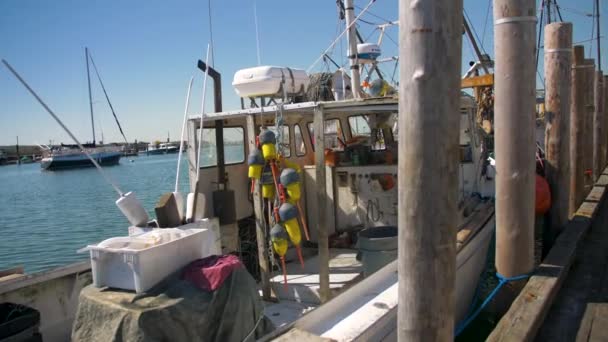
(80, 160)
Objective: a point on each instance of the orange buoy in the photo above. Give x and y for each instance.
(543, 196)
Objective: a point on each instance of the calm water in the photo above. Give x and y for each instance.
(45, 216)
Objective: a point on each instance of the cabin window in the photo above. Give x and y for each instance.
(234, 146)
(334, 137)
(359, 127)
(284, 139)
(300, 146)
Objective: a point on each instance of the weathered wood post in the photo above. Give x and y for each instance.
(259, 218)
(514, 108)
(558, 62)
(430, 50)
(605, 119)
(321, 195)
(588, 134)
(577, 125)
(599, 132)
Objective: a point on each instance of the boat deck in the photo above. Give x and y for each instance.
(302, 291)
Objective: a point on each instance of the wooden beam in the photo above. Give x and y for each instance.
(323, 242)
(477, 81)
(259, 218)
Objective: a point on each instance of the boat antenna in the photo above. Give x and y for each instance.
(107, 98)
(211, 35)
(257, 32)
(101, 171)
(181, 140)
(86, 55)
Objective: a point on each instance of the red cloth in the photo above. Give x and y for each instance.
(209, 273)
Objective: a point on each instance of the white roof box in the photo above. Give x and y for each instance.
(267, 81)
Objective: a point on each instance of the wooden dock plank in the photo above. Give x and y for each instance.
(587, 209)
(602, 181)
(596, 194)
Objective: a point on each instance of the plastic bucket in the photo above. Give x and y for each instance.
(377, 247)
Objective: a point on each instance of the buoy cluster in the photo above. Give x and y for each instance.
(282, 189)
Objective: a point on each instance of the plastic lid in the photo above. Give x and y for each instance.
(278, 232)
(267, 137)
(287, 212)
(255, 158)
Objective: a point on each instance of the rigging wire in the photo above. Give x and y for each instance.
(574, 11)
(373, 15)
(485, 25)
(473, 29)
(592, 31)
(371, 2)
(107, 98)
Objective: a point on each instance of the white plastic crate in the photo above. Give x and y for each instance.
(141, 261)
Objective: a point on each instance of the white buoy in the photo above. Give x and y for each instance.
(130, 206)
(199, 213)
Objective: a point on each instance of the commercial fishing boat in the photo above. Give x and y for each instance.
(343, 145)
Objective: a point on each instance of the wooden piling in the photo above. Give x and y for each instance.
(577, 125)
(588, 134)
(514, 108)
(599, 132)
(430, 50)
(259, 218)
(558, 61)
(321, 195)
(605, 120)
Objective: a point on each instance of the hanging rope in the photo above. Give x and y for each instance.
(502, 280)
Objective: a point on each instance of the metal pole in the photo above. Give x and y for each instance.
(514, 108)
(352, 47)
(577, 124)
(86, 54)
(598, 125)
(430, 43)
(558, 61)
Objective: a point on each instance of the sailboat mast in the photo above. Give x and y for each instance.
(597, 22)
(349, 12)
(86, 54)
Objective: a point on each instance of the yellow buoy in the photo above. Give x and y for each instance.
(268, 141)
(289, 217)
(256, 164)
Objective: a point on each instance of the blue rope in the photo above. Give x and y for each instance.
(502, 280)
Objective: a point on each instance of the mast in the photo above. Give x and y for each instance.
(86, 54)
(352, 48)
(597, 22)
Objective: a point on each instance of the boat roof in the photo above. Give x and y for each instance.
(383, 104)
(358, 106)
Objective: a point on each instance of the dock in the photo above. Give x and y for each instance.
(567, 297)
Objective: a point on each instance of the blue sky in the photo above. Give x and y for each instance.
(147, 50)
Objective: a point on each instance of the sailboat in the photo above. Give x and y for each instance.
(71, 156)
